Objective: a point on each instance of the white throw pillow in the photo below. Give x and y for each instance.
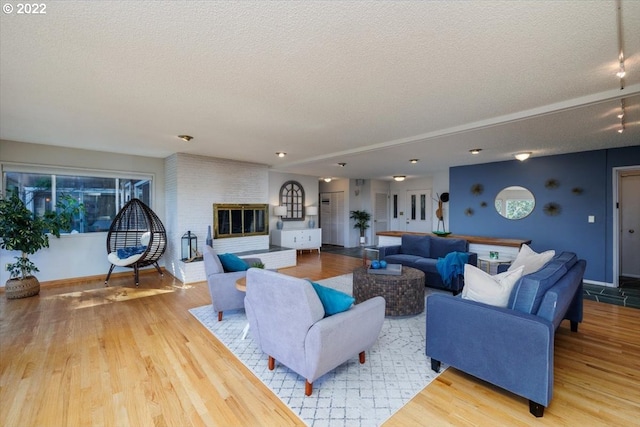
(493, 290)
(531, 260)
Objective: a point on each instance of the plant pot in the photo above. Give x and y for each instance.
(22, 288)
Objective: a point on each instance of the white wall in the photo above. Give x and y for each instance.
(311, 192)
(77, 255)
(194, 184)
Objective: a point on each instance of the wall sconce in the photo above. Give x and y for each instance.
(523, 156)
(312, 211)
(280, 211)
(399, 177)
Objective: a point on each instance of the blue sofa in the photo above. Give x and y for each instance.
(510, 347)
(422, 252)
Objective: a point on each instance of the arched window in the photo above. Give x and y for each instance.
(292, 196)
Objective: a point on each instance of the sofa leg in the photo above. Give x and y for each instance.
(308, 388)
(362, 357)
(435, 365)
(220, 316)
(272, 363)
(574, 326)
(536, 409)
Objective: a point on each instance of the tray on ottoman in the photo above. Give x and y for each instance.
(392, 269)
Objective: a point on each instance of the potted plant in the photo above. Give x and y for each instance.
(361, 219)
(21, 230)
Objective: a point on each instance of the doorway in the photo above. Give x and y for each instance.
(418, 218)
(626, 224)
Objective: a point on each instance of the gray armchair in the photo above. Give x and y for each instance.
(222, 286)
(287, 320)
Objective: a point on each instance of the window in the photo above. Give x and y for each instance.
(101, 196)
(233, 220)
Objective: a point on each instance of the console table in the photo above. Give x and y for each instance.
(298, 239)
(482, 245)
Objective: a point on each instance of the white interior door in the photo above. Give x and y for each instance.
(381, 215)
(630, 225)
(418, 213)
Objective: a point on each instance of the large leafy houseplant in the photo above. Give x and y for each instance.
(23, 231)
(361, 219)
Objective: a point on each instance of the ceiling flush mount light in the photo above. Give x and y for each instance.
(327, 179)
(281, 153)
(475, 150)
(523, 156)
(414, 161)
(185, 138)
(399, 177)
(342, 164)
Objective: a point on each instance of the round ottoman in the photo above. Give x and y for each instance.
(404, 293)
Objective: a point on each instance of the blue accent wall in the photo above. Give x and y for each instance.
(592, 171)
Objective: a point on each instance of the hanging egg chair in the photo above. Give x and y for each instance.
(136, 239)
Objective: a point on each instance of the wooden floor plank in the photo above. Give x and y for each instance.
(80, 354)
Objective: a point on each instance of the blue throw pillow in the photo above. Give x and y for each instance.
(333, 300)
(128, 251)
(231, 262)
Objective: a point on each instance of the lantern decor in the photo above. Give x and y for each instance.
(190, 248)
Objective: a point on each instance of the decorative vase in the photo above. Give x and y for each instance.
(312, 224)
(209, 240)
(22, 288)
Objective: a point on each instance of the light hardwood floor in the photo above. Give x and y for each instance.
(83, 354)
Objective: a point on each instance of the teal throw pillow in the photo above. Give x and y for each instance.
(333, 300)
(231, 262)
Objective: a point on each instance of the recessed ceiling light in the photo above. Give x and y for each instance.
(399, 177)
(342, 164)
(414, 161)
(475, 150)
(281, 153)
(523, 156)
(185, 138)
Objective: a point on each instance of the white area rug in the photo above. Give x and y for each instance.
(396, 369)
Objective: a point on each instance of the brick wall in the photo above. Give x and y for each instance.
(193, 184)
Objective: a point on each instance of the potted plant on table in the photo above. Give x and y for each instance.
(23, 231)
(361, 219)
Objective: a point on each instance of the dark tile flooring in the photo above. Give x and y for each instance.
(627, 295)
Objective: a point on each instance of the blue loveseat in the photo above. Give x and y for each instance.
(422, 252)
(510, 347)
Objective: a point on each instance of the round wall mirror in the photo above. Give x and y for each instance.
(515, 202)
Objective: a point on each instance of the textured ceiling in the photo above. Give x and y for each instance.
(369, 83)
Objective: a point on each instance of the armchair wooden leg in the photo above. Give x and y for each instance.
(219, 316)
(362, 357)
(308, 388)
(272, 363)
